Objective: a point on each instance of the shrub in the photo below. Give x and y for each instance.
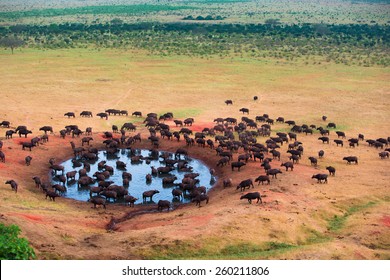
(13, 247)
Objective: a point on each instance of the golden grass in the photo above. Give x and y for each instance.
(38, 87)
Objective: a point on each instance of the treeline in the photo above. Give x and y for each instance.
(349, 44)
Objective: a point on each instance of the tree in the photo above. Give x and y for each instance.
(11, 42)
(272, 21)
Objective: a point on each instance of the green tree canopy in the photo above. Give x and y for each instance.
(11, 42)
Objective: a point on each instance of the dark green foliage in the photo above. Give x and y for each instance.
(94, 10)
(11, 42)
(348, 44)
(13, 247)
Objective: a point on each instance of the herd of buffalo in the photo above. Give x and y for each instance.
(235, 141)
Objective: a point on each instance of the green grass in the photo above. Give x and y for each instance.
(209, 250)
(186, 113)
(93, 10)
(336, 223)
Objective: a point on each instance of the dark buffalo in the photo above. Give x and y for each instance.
(128, 126)
(87, 114)
(263, 178)
(24, 132)
(71, 175)
(244, 110)
(320, 178)
(227, 182)
(2, 156)
(59, 188)
(251, 196)
(177, 193)
(98, 200)
(351, 159)
(13, 184)
(331, 125)
(237, 164)
(102, 115)
(324, 139)
(164, 169)
(321, 153)
(28, 160)
(163, 204)
(5, 124)
(245, 184)
(340, 134)
(384, 155)
(228, 102)
(51, 194)
(130, 200)
(149, 194)
(199, 198)
(85, 181)
(181, 152)
(288, 165)
(9, 133)
(46, 129)
(28, 145)
(332, 170)
(137, 114)
(70, 114)
(313, 161)
(109, 195)
(339, 142)
(274, 172)
(37, 181)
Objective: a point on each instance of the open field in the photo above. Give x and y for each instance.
(232, 11)
(348, 218)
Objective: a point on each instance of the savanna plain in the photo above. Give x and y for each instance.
(345, 218)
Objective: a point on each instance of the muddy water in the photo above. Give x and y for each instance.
(139, 171)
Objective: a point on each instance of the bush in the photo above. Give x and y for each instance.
(13, 247)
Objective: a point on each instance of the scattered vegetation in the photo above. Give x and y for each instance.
(13, 247)
(337, 222)
(364, 45)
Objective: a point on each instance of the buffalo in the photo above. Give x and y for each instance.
(351, 159)
(332, 170)
(324, 139)
(384, 155)
(46, 129)
(274, 172)
(237, 164)
(251, 196)
(13, 184)
(245, 184)
(263, 178)
(130, 200)
(288, 165)
(98, 200)
(320, 178)
(28, 160)
(227, 182)
(87, 114)
(177, 193)
(313, 161)
(70, 114)
(199, 198)
(339, 142)
(163, 204)
(149, 194)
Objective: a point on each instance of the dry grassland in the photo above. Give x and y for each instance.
(348, 218)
